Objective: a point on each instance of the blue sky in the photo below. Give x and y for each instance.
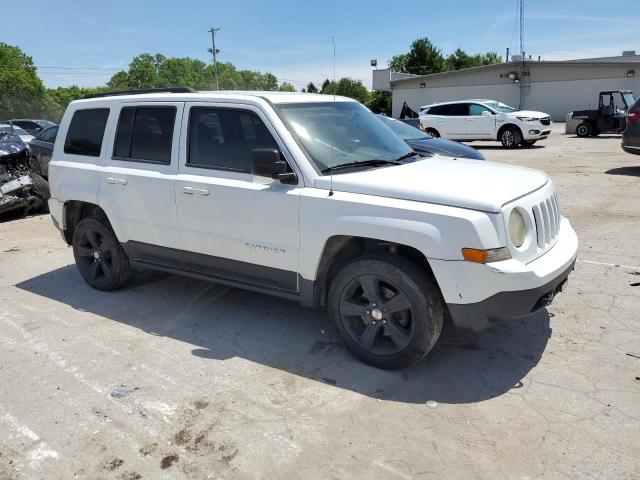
(84, 42)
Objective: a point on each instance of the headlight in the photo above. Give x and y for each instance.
(527, 119)
(517, 228)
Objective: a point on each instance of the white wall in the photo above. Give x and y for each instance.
(560, 98)
(554, 98)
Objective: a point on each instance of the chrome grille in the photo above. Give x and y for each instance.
(545, 121)
(547, 218)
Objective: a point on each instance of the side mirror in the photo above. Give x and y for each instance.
(486, 113)
(267, 162)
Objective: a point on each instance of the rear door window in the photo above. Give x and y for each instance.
(455, 109)
(86, 132)
(145, 134)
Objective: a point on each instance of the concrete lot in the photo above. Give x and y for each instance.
(176, 378)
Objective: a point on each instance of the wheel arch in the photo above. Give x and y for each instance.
(339, 250)
(504, 127)
(76, 210)
(434, 130)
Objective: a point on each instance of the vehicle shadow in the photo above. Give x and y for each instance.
(19, 215)
(223, 323)
(500, 147)
(632, 171)
(601, 136)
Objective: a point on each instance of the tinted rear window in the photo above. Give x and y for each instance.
(86, 132)
(454, 109)
(145, 134)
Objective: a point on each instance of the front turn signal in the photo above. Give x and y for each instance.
(485, 256)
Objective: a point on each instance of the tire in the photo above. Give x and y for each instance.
(528, 143)
(381, 337)
(432, 132)
(99, 256)
(584, 130)
(41, 190)
(511, 137)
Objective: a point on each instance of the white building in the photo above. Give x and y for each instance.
(554, 87)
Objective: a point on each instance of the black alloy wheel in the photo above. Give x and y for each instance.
(377, 315)
(388, 310)
(99, 257)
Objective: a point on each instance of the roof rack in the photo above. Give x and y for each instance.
(138, 91)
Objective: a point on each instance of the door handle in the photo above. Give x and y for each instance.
(193, 190)
(116, 181)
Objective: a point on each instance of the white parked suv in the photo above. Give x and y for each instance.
(485, 120)
(294, 195)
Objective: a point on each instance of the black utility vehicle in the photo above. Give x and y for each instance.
(610, 117)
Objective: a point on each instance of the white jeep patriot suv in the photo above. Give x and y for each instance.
(308, 198)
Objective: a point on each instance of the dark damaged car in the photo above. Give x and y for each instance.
(22, 190)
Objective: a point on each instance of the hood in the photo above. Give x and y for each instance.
(462, 183)
(529, 113)
(10, 144)
(442, 146)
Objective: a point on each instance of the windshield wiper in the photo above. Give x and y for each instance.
(406, 155)
(363, 163)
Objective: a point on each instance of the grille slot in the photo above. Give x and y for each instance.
(545, 121)
(547, 218)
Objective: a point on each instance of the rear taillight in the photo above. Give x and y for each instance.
(633, 117)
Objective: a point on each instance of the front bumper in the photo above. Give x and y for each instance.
(536, 132)
(507, 305)
(478, 295)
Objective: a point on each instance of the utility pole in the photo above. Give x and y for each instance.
(214, 51)
(522, 59)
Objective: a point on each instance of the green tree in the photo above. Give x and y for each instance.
(22, 93)
(491, 58)
(148, 71)
(379, 102)
(120, 81)
(347, 87)
(174, 72)
(311, 88)
(286, 87)
(57, 99)
(460, 59)
(423, 58)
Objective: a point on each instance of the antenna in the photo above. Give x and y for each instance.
(335, 85)
(522, 56)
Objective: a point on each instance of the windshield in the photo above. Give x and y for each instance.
(404, 131)
(44, 123)
(16, 130)
(346, 131)
(499, 106)
(629, 98)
